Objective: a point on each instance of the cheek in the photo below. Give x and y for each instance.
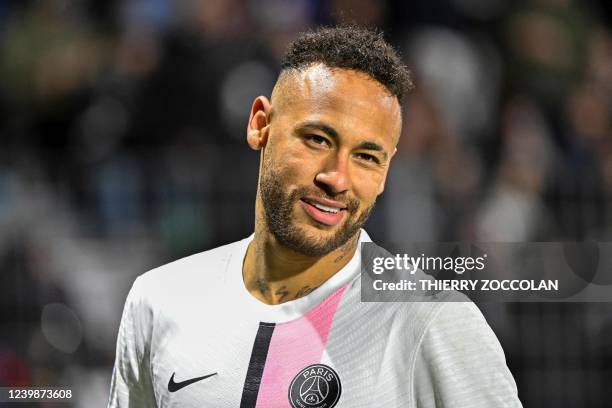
(366, 184)
(298, 161)
(293, 165)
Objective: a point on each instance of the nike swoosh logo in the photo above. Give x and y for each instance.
(175, 386)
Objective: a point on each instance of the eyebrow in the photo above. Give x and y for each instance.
(333, 133)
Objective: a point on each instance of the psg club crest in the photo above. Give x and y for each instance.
(316, 386)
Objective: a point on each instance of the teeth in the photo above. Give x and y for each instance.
(326, 208)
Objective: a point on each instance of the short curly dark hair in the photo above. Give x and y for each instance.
(351, 47)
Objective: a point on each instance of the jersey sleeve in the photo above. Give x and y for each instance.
(131, 384)
(461, 364)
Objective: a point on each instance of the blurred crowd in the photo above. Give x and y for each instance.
(123, 124)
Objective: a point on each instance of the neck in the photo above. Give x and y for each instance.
(275, 274)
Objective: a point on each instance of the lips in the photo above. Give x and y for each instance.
(325, 211)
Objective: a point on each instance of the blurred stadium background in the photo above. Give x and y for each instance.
(122, 125)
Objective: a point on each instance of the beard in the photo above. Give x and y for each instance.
(278, 204)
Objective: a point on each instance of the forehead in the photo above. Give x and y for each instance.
(350, 101)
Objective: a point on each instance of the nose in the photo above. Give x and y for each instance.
(335, 178)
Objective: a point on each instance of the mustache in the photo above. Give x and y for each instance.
(352, 204)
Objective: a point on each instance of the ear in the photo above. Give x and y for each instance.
(257, 128)
(384, 180)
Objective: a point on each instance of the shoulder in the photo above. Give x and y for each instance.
(458, 326)
(193, 275)
(411, 317)
(460, 361)
(417, 307)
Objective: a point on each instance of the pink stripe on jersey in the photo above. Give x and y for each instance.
(295, 345)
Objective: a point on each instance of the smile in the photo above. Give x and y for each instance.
(326, 208)
(323, 213)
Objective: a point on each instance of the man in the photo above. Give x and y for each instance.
(275, 320)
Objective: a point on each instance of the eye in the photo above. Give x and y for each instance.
(368, 158)
(317, 140)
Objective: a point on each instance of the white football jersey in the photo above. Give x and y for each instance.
(192, 336)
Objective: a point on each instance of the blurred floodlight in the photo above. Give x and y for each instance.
(240, 86)
(462, 79)
(61, 327)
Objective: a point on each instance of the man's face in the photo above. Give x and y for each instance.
(330, 140)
